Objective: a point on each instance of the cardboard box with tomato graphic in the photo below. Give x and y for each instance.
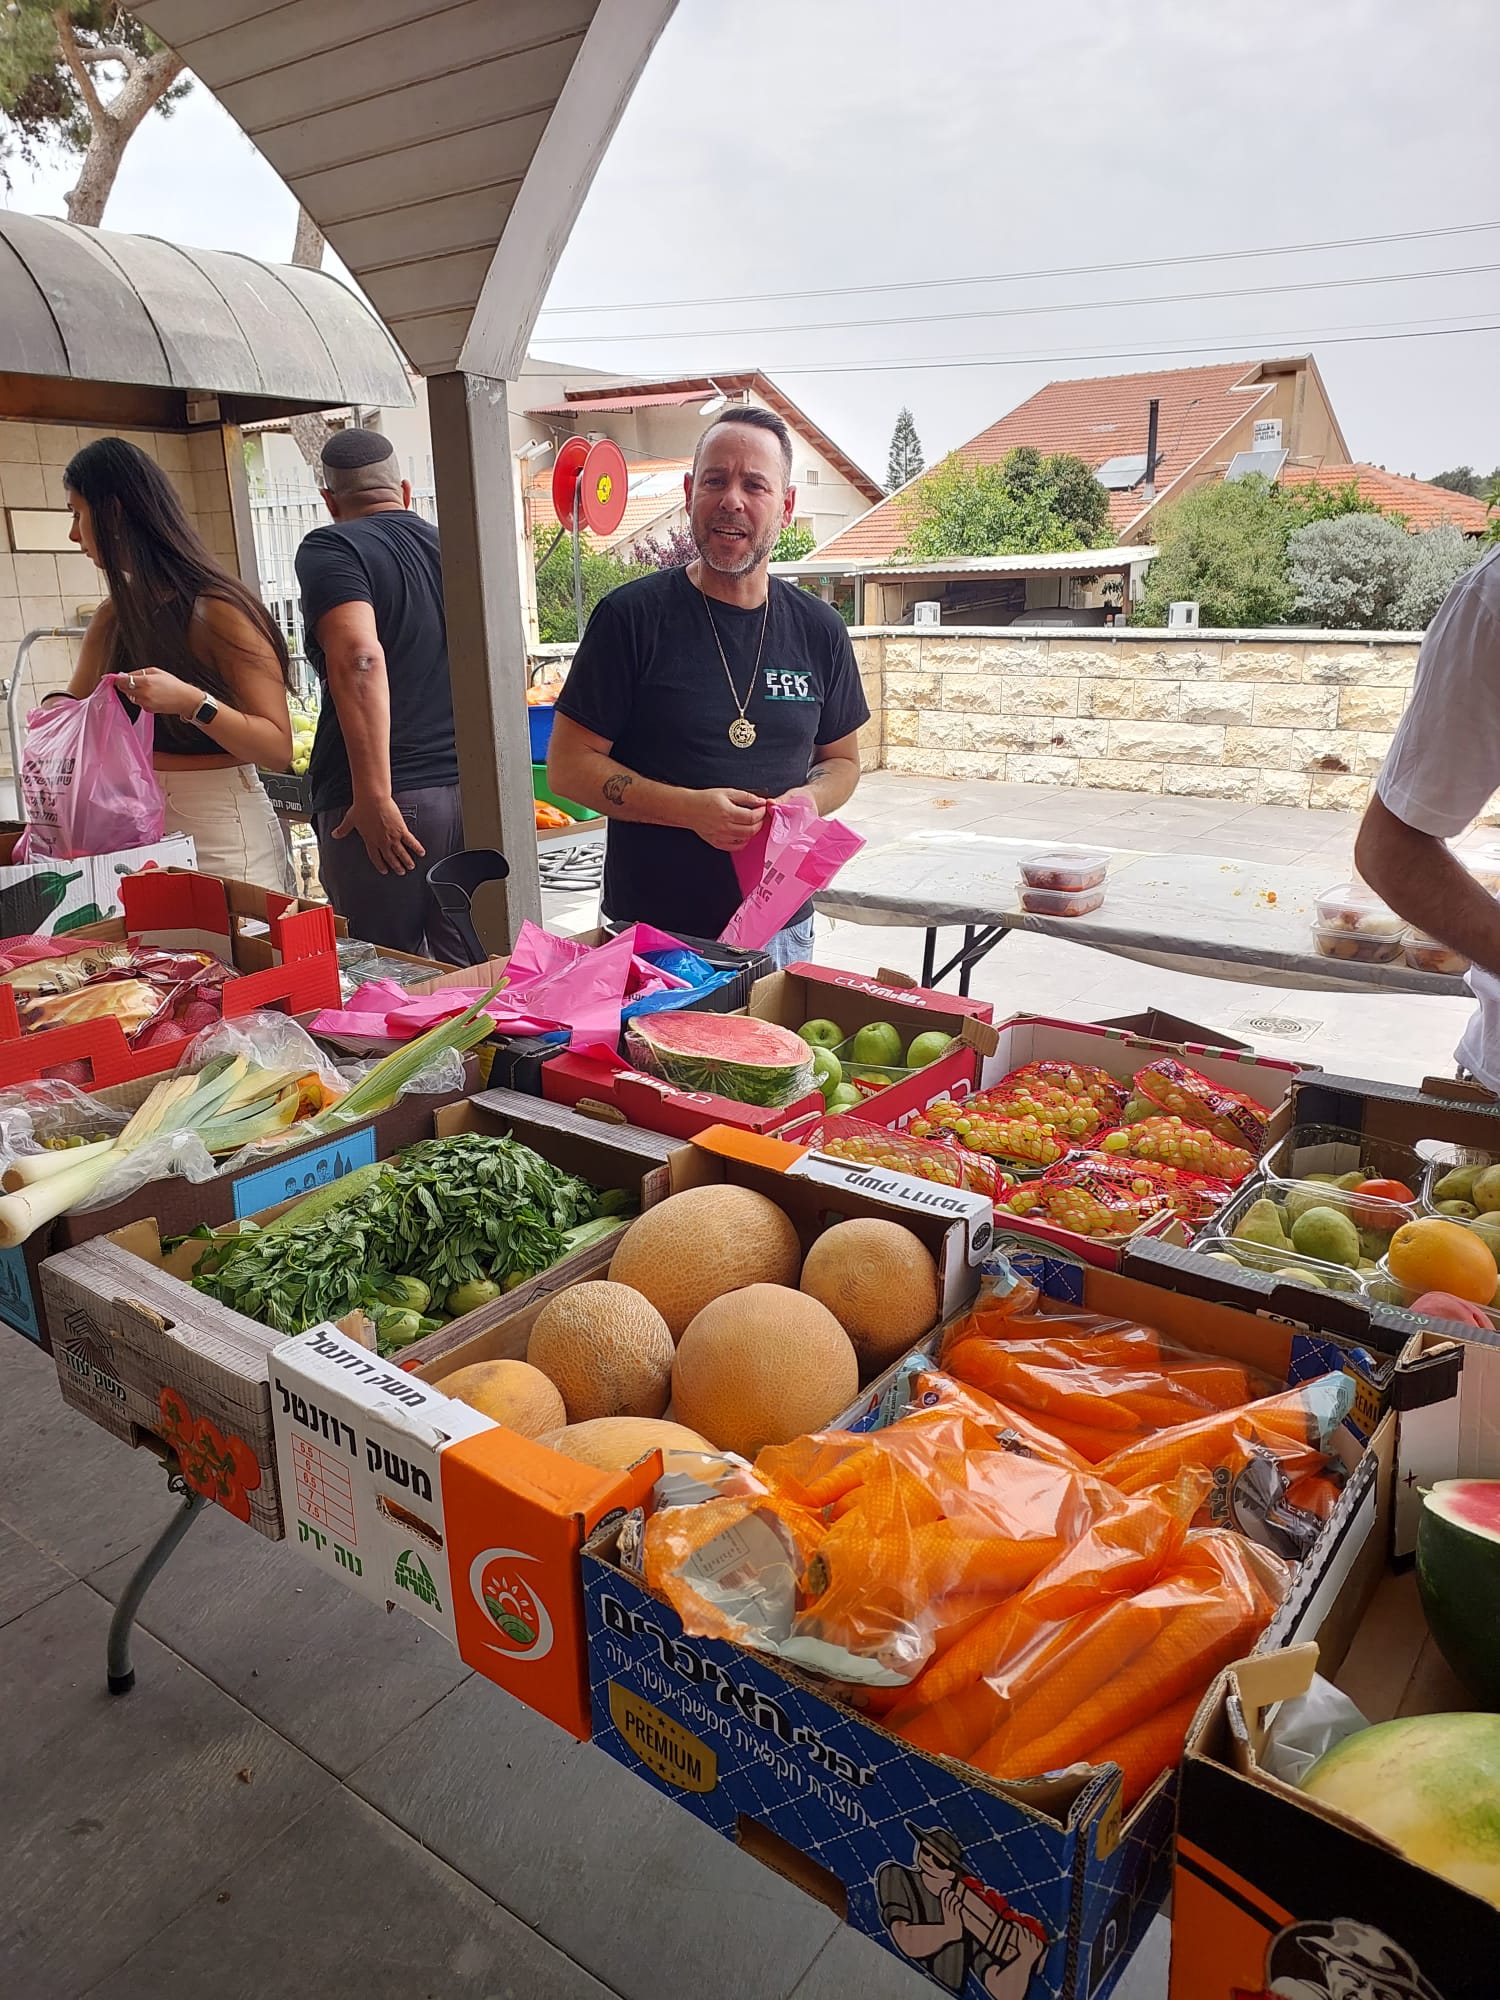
(145, 1355)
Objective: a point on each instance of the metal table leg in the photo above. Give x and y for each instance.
(121, 1674)
(979, 941)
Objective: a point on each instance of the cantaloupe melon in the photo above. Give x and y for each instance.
(879, 1281)
(512, 1392)
(607, 1349)
(615, 1443)
(761, 1366)
(695, 1246)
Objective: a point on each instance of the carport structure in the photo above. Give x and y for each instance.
(444, 150)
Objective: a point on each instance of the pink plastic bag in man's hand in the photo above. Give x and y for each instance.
(793, 856)
(87, 786)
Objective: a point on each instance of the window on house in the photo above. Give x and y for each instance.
(810, 477)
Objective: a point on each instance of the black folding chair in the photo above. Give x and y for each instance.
(453, 881)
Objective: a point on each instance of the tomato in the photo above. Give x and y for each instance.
(1386, 1190)
(1366, 1205)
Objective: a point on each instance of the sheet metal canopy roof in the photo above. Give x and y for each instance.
(443, 150)
(91, 306)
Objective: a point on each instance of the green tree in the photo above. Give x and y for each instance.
(1302, 504)
(1026, 505)
(1223, 545)
(793, 543)
(556, 619)
(905, 461)
(80, 78)
(1462, 479)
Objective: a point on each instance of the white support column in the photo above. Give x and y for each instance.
(474, 475)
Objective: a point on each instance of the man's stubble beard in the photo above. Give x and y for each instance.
(759, 551)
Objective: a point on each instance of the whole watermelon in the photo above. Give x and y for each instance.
(1458, 1575)
(1429, 1784)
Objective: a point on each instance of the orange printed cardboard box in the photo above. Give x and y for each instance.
(413, 1498)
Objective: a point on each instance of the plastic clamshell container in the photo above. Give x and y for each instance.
(1366, 948)
(1353, 907)
(1434, 1171)
(1373, 1218)
(1388, 1291)
(1067, 868)
(1289, 1264)
(1061, 902)
(1329, 1149)
(1429, 954)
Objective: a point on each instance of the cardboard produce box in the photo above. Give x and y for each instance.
(772, 1759)
(1271, 1887)
(381, 1470)
(49, 898)
(283, 953)
(139, 1351)
(176, 1206)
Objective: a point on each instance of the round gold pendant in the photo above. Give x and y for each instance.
(741, 733)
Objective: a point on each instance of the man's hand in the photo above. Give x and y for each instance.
(390, 843)
(727, 818)
(953, 1912)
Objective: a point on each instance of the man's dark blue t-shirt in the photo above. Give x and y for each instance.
(648, 679)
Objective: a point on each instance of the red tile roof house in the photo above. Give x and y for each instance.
(1422, 506)
(1206, 415)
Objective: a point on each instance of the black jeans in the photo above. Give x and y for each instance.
(397, 911)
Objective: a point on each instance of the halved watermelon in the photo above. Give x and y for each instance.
(732, 1055)
(1458, 1575)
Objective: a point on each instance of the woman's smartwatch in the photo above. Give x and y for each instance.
(204, 716)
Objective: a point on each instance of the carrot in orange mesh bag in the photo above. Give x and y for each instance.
(1257, 1457)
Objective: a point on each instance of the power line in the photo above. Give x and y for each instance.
(1018, 277)
(1020, 312)
(1236, 347)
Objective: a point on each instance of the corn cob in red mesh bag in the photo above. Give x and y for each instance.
(1098, 1196)
(1183, 1093)
(937, 1159)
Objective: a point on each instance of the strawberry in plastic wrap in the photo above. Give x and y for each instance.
(1182, 1092)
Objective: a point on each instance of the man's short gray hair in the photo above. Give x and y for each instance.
(360, 461)
(756, 419)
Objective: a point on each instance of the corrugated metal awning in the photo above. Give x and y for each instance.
(89, 305)
(1070, 561)
(583, 404)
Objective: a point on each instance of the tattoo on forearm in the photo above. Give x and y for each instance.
(616, 785)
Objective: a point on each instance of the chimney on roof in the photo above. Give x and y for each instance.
(1148, 493)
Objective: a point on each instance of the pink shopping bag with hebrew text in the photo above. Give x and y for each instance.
(87, 786)
(793, 856)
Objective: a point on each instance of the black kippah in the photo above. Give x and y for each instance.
(346, 450)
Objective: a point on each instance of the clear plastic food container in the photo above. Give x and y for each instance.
(1385, 1290)
(1450, 1179)
(1065, 868)
(1374, 1221)
(1430, 954)
(1330, 1149)
(1061, 902)
(1286, 1264)
(1353, 907)
(1365, 948)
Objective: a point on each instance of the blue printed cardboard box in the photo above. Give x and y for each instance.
(1053, 1886)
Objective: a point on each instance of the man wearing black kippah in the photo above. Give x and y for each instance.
(384, 770)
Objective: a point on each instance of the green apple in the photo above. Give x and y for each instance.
(926, 1048)
(821, 1034)
(844, 1098)
(828, 1071)
(877, 1042)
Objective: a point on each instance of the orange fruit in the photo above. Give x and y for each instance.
(1435, 1255)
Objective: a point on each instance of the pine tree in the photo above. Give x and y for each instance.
(905, 461)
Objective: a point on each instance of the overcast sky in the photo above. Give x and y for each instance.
(803, 145)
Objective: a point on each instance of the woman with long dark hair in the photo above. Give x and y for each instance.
(185, 639)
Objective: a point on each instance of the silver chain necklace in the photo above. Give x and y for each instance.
(742, 729)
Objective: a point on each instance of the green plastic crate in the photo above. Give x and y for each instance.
(540, 789)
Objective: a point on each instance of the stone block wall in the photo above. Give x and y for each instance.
(1287, 717)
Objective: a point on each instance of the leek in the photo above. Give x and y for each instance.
(380, 1088)
(33, 1167)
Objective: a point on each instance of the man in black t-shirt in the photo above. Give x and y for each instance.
(698, 694)
(384, 770)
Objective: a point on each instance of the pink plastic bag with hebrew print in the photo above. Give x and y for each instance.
(793, 856)
(87, 785)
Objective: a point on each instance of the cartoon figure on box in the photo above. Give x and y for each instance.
(948, 1923)
(1341, 1960)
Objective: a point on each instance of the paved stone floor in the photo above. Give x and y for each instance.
(306, 1796)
